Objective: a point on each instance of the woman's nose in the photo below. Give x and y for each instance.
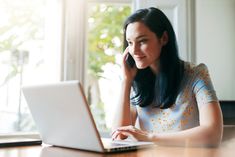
(134, 49)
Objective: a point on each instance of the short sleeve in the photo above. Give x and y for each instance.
(202, 86)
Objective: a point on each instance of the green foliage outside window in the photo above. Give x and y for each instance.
(21, 26)
(105, 34)
(105, 38)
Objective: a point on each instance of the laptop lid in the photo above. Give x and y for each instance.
(63, 118)
(62, 115)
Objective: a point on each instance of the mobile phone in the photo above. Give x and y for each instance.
(130, 61)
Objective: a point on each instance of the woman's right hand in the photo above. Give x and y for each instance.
(129, 73)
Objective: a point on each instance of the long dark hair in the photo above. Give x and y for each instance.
(159, 90)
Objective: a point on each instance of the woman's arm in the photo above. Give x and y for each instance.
(124, 115)
(208, 133)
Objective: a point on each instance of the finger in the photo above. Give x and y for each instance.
(130, 134)
(125, 131)
(126, 51)
(113, 132)
(127, 128)
(137, 135)
(123, 128)
(125, 54)
(118, 136)
(134, 133)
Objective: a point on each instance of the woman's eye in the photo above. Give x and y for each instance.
(143, 41)
(129, 43)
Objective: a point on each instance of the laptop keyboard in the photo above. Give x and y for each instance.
(115, 144)
(109, 143)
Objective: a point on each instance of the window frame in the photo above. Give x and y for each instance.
(73, 42)
(74, 47)
(57, 10)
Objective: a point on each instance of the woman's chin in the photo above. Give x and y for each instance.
(141, 66)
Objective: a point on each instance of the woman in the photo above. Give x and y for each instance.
(174, 101)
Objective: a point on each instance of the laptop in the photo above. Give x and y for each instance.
(63, 118)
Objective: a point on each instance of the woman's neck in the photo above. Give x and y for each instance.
(155, 67)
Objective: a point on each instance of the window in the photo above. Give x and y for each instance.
(105, 47)
(29, 54)
(44, 41)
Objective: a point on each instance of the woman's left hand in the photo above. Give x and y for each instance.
(133, 132)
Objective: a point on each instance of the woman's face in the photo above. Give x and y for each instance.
(144, 46)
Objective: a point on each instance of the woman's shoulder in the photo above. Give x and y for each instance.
(195, 69)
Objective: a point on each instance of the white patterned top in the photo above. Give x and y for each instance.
(196, 90)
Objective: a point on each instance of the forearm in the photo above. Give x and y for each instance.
(198, 136)
(123, 112)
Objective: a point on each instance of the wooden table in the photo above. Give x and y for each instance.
(39, 151)
(227, 149)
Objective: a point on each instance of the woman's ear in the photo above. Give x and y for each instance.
(164, 38)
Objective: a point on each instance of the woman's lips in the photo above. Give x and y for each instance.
(139, 57)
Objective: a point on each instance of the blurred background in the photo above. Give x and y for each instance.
(44, 41)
